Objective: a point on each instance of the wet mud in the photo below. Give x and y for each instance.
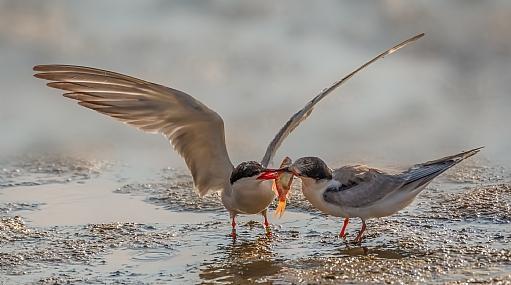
(457, 232)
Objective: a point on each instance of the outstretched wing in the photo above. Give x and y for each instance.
(195, 131)
(301, 115)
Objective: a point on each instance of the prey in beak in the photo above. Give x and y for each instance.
(282, 184)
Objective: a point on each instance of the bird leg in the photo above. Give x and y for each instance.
(267, 226)
(346, 221)
(233, 234)
(266, 223)
(359, 237)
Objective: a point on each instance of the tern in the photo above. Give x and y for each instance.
(195, 131)
(362, 191)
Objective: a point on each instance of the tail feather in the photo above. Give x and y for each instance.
(431, 169)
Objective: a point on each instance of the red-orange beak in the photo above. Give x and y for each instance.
(282, 184)
(271, 174)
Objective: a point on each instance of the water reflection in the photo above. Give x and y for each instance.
(243, 262)
(261, 260)
(153, 255)
(377, 251)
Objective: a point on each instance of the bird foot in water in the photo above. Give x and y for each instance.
(357, 241)
(268, 231)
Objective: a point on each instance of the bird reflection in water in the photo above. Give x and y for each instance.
(243, 262)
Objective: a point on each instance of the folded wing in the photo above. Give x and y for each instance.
(361, 186)
(423, 173)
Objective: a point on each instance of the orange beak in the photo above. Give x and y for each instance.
(270, 174)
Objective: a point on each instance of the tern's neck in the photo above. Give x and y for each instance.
(313, 189)
(316, 184)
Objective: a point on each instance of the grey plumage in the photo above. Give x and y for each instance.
(363, 186)
(366, 192)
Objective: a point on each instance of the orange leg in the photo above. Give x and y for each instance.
(359, 237)
(346, 221)
(233, 234)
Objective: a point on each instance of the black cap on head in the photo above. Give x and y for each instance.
(246, 169)
(312, 167)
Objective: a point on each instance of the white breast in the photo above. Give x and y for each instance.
(313, 191)
(249, 196)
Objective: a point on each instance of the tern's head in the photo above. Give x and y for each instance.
(308, 168)
(311, 168)
(246, 170)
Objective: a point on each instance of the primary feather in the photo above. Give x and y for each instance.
(195, 131)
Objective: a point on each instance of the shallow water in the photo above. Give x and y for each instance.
(126, 213)
(82, 221)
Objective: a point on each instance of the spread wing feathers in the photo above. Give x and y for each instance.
(357, 185)
(195, 131)
(301, 115)
(431, 169)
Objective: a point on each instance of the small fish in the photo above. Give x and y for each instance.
(282, 185)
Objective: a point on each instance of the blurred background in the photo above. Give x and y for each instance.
(258, 62)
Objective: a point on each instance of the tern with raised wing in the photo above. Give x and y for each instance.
(362, 191)
(195, 131)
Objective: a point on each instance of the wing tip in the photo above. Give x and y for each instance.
(469, 153)
(464, 155)
(57, 84)
(38, 68)
(418, 36)
(45, 67)
(401, 45)
(39, 75)
(457, 158)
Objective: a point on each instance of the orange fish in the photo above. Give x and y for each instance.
(282, 185)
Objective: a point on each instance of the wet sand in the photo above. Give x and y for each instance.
(126, 213)
(82, 221)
